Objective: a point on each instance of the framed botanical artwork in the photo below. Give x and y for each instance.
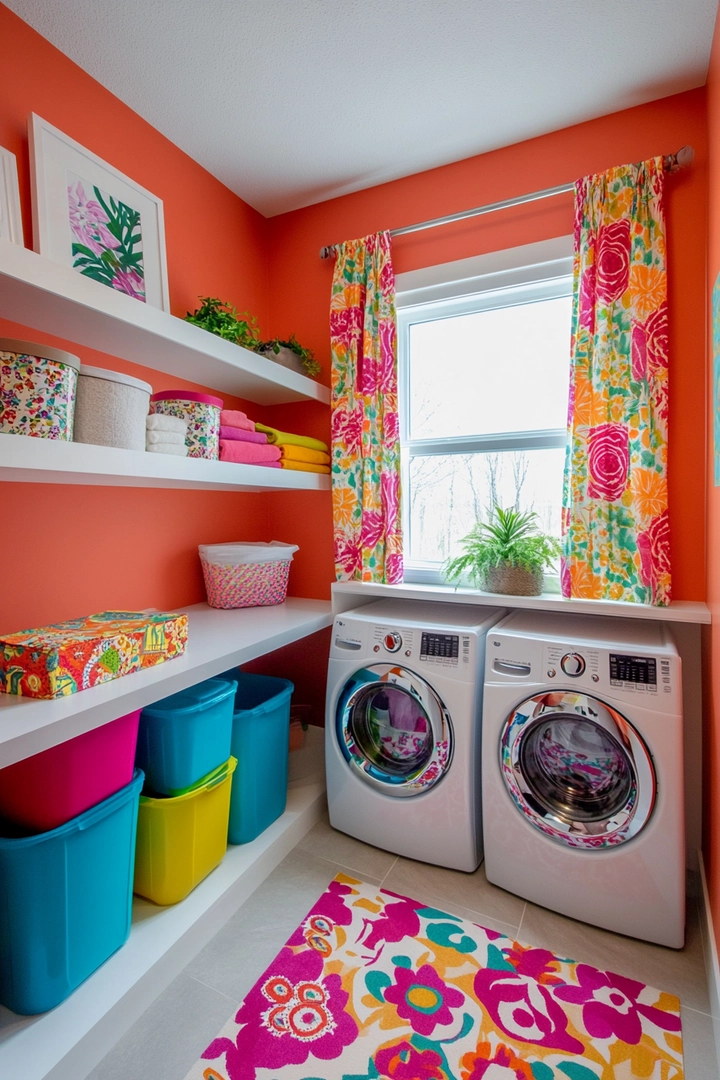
(91, 217)
(10, 217)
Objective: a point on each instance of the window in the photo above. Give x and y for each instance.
(483, 363)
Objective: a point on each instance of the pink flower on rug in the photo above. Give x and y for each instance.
(503, 1063)
(423, 999)
(404, 1062)
(608, 461)
(524, 1010)
(88, 221)
(611, 1007)
(612, 256)
(330, 907)
(397, 921)
(538, 964)
(291, 1014)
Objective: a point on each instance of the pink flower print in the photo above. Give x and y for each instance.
(403, 1062)
(638, 349)
(391, 429)
(388, 352)
(504, 1062)
(387, 278)
(346, 325)
(613, 260)
(538, 964)
(654, 548)
(346, 428)
(394, 570)
(330, 907)
(611, 1007)
(372, 529)
(525, 1010)
(88, 221)
(399, 920)
(347, 555)
(586, 314)
(130, 282)
(656, 330)
(291, 1014)
(608, 461)
(423, 999)
(390, 490)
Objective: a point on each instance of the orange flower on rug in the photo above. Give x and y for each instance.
(376, 986)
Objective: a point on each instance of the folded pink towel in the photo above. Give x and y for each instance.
(268, 464)
(236, 419)
(247, 453)
(242, 434)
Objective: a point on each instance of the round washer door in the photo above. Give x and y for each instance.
(578, 770)
(394, 730)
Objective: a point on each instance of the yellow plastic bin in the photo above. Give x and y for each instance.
(181, 839)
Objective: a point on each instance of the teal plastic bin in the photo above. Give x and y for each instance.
(185, 736)
(260, 737)
(65, 900)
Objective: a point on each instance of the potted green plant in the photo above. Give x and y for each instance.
(506, 554)
(221, 318)
(292, 354)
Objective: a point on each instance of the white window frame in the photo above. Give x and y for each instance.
(520, 275)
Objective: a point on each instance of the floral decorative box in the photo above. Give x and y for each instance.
(65, 657)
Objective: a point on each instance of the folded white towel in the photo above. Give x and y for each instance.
(164, 437)
(161, 422)
(167, 448)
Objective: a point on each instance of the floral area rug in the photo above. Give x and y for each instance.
(375, 986)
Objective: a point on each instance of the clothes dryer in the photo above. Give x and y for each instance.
(583, 770)
(402, 728)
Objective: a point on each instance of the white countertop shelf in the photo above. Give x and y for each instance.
(55, 299)
(350, 594)
(26, 459)
(217, 641)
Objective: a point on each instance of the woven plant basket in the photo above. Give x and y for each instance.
(513, 580)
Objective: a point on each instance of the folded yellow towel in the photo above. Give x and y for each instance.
(304, 466)
(286, 438)
(301, 453)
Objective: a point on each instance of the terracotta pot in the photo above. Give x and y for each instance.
(513, 580)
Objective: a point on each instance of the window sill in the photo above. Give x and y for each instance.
(351, 594)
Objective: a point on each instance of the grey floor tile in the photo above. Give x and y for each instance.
(678, 971)
(169, 1038)
(699, 1046)
(473, 892)
(239, 953)
(335, 846)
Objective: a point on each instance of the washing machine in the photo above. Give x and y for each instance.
(583, 770)
(402, 732)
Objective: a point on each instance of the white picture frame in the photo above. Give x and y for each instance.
(91, 217)
(11, 227)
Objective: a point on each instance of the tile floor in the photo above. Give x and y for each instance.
(169, 1038)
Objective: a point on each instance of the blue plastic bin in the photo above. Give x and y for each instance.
(260, 737)
(184, 737)
(65, 900)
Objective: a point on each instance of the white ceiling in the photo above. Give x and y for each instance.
(290, 102)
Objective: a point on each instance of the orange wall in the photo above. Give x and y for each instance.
(79, 549)
(300, 281)
(711, 657)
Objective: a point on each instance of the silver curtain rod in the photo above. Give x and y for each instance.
(671, 163)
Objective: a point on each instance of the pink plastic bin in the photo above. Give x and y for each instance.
(50, 788)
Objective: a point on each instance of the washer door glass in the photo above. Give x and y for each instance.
(394, 730)
(577, 770)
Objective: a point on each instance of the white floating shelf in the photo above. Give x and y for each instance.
(58, 300)
(350, 594)
(217, 641)
(26, 459)
(71, 1039)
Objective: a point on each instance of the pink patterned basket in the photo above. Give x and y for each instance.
(257, 584)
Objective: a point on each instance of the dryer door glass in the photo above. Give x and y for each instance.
(394, 730)
(577, 770)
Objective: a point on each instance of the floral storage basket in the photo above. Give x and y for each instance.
(246, 575)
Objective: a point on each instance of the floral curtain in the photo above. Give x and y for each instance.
(615, 517)
(365, 430)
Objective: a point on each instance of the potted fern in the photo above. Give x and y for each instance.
(506, 554)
